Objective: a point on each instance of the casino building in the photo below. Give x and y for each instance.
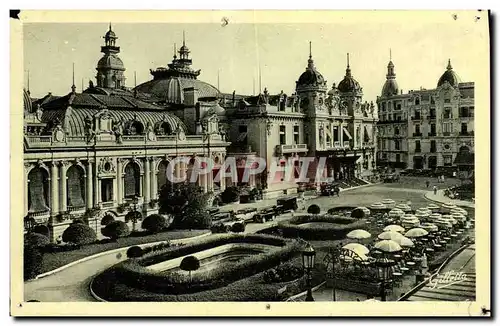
(106, 149)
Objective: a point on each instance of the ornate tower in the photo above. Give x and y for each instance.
(110, 67)
(390, 87)
(350, 93)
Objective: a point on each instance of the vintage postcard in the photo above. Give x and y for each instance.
(250, 163)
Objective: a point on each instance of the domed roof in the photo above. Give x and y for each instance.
(110, 34)
(111, 61)
(348, 84)
(449, 76)
(171, 90)
(27, 104)
(311, 76)
(390, 88)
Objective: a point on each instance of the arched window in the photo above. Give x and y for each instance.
(136, 128)
(166, 128)
(76, 186)
(162, 178)
(38, 190)
(132, 180)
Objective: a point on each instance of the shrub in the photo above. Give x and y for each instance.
(36, 240)
(107, 219)
(338, 229)
(189, 264)
(134, 273)
(238, 227)
(314, 209)
(33, 259)
(79, 234)
(115, 230)
(134, 252)
(358, 213)
(283, 273)
(154, 223)
(230, 195)
(219, 228)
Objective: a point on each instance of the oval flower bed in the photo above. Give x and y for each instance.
(135, 275)
(325, 227)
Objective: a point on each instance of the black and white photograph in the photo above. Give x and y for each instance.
(251, 157)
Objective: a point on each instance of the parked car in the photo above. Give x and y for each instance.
(246, 213)
(265, 214)
(329, 189)
(286, 204)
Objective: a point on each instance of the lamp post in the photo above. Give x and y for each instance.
(308, 256)
(383, 265)
(134, 214)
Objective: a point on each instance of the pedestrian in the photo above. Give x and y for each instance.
(442, 178)
(435, 190)
(427, 184)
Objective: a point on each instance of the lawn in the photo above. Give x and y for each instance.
(52, 261)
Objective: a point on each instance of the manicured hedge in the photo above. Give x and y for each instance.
(341, 210)
(79, 234)
(134, 274)
(115, 230)
(340, 226)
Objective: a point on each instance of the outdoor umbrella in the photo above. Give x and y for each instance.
(405, 242)
(396, 212)
(459, 216)
(395, 228)
(429, 227)
(359, 257)
(421, 215)
(425, 210)
(403, 207)
(416, 233)
(357, 248)
(447, 207)
(390, 203)
(358, 234)
(378, 206)
(459, 210)
(435, 216)
(388, 246)
(433, 207)
(389, 235)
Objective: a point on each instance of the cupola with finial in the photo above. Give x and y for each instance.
(349, 84)
(110, 67)
(390, 87)
(449, 76)
(311, 77)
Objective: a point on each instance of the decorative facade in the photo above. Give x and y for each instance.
(106, 148)
(425, 129)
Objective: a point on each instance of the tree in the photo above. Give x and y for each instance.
(230, 195)
(189, 264)
(133, 216)
(79, 234)
(115, 230)
(187, 204)
(314, 209)
(154, 223)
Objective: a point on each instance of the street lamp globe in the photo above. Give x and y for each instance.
(308, 257)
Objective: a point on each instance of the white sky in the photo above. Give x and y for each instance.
(420, 53)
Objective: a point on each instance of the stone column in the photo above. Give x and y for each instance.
(63, 191)
(154, 180)
(97, 187)
(147, 181)
(26, 204)
(119, 181)
(54, 196)
(90, 187)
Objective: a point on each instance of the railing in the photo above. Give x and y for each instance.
(38, 139)
(336, 143)
(416, 117)
(431, 117)
(141, 138)
(38, 214)
(75, 208)
(466, 133)
(165, 137)
(446, 133)
(347, 144)
(431, 134)
(417, 134)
